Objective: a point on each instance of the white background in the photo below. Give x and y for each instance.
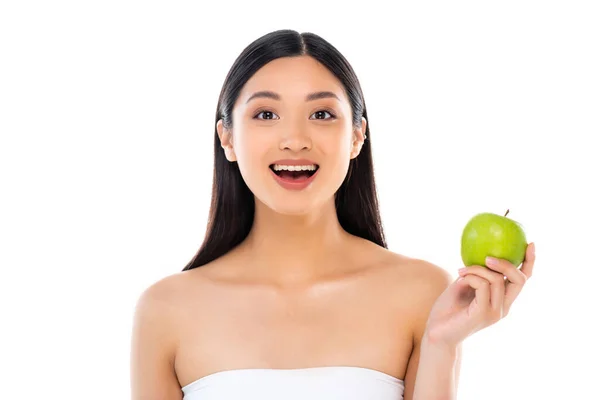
(107, 121)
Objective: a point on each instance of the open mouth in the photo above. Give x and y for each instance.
(298, 173)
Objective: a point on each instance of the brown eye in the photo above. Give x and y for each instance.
(322, 113)
(268, 115)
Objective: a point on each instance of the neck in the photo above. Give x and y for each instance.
(294, 248)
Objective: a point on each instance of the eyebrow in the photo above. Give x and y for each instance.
(312, 96)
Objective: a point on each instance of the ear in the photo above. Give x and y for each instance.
(359, 139)
(226, 141)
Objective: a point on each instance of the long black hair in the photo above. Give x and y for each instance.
(232, 206)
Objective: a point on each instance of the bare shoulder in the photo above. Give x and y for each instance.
(418, 282)
(161, 299)
(425, 278)
(160, 293)
(154, 339)
(173, 291)
(421, 275)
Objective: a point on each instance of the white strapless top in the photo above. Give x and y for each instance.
(331, 383)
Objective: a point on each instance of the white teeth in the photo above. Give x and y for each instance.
(278, 167)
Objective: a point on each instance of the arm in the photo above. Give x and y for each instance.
(478, 299)
(438, 371)
(153, 349)
(433, 369)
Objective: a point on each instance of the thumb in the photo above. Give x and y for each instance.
(460, 288)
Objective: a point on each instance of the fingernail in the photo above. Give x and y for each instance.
(462, 270)
(533, 248)
(491, 261)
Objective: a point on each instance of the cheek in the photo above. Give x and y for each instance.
(249, 152)
(337, 150)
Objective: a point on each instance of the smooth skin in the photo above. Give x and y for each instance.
(300, 291)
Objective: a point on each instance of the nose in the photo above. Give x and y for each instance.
(296, 140)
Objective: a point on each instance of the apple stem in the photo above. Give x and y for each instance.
(506, 212)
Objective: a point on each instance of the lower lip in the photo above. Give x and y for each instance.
(293, 184)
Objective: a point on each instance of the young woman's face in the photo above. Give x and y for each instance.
(293, 110)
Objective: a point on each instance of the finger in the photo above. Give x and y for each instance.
(527, 267)
(481, 304)
(514, 288)
(515, 280)
(507, 269)
(497, 287)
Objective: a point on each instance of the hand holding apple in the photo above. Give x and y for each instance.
(481, 297)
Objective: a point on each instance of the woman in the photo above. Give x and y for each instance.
(294, 294)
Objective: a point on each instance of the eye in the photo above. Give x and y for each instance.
(267, 114)
(321, 113)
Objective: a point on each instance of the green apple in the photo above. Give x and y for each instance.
(489, 234)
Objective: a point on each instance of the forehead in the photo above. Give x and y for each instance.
(293, 78)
